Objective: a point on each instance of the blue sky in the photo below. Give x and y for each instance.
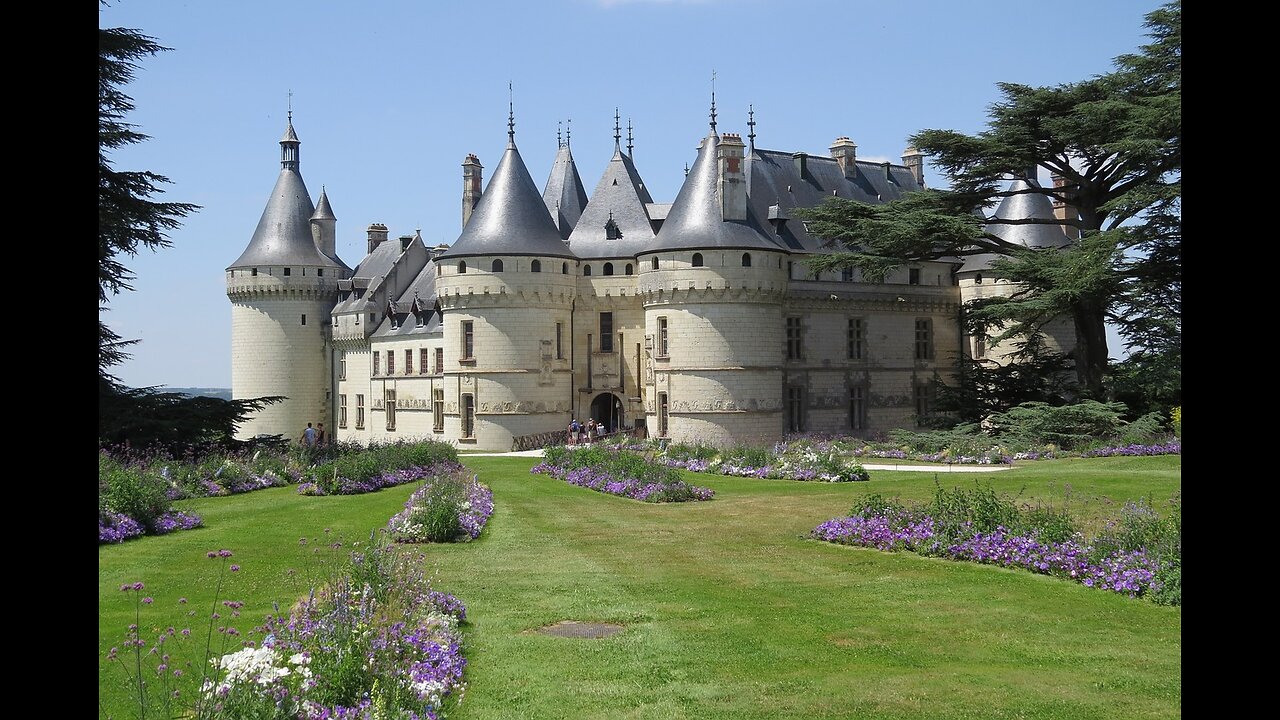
(389, 96)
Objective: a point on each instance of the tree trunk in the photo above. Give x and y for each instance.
(1091, 350)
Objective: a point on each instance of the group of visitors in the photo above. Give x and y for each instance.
(313, 437)
(585, 432)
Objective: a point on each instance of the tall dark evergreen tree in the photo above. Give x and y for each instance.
(131, 220)
(1116, 140)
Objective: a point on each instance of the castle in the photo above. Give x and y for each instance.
(695, 320)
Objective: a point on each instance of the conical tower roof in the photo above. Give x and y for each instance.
(564, 195)
(1022, 206)
(695, 220)
(511, 218)
(621, 197)
(283, 235)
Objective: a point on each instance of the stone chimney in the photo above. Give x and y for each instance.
(845, 153)
(472, 174)
(1063, 211)
(377, 234)
(914, 160)
(731, 179)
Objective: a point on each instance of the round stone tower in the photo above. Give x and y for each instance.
(977, 279)
(712, 283)
(506, 294)
(282, 289)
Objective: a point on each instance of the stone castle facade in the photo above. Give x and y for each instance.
(697, 320)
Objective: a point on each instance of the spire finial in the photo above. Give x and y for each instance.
(568, 130)
(713, 102)
(751, 123)
(511, 114)
(290, 106)
(559, 142)
(628, 137)
(686, 169)
(617, 131)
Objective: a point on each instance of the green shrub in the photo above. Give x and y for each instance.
(877, 505)
(132, 490)
(960, 513)
(755, 456)
(1068, 426)
(683, 451)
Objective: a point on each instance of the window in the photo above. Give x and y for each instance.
(319, 272)
(408, 362)
(662, 337)
(391, 362)
(376, 356)
(559, 341)
(746, 259)
(437, 410)
(628, 268)
(606, 332)
(359, 412)
(857, 338)
(795, 409)
(795, 339)
(924, 339)
(357, 318)
(254, 273)
(373, 317)
(497, 265)
(535, 266)
(913, 276)
(662, 415)
(977, 279)
(608, 268)
(468, 416)
(342, 411)
(462, 267)
(655, 263)
(304, 318)
(421, 318)
(423, 366)
(390, 402)
(564, 268)
(924, 396)
(858, 407)
(846, 275)
(439, 361)
(342, 365)
(697, 259)
(468, 339)
(287, 271)
(586, 270)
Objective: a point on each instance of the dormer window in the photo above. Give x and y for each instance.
(608, 268)
(977, 279)
(611, 229)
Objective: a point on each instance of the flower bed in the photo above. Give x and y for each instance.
(377, 641)
(619, 472)
(356, 486)
(1139, 555)
(799, 461)
(449, 506)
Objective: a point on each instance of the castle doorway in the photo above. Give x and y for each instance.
(606, 409)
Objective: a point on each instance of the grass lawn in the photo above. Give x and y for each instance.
(729, 611)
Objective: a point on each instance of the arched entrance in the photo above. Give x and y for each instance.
(606, 409)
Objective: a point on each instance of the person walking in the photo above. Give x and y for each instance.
(308, 439)
(321, 438)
